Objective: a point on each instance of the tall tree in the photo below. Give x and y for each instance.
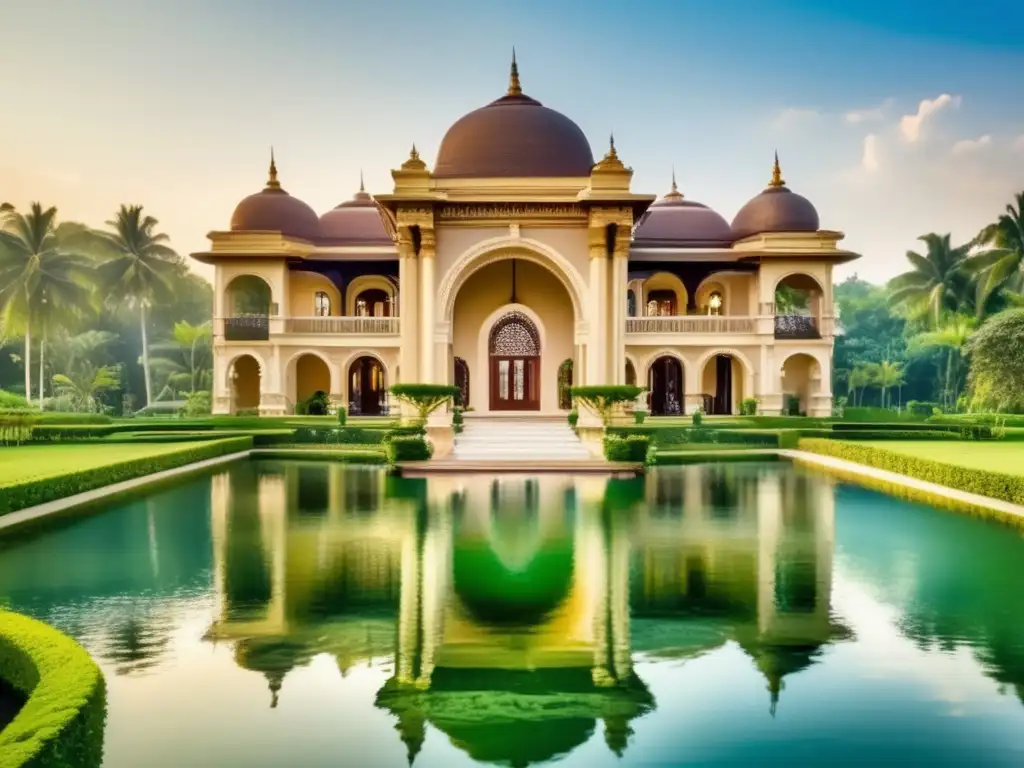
(42, 285)
(953, 336)
(938, 281)
(1001, 265)
(140, 271)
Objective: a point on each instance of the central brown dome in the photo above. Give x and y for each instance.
(514, 136)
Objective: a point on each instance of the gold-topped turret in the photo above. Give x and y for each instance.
(674, 194)
(414, 163)
(777, 180)
(362, 186)
(514, 87)
(272, 182)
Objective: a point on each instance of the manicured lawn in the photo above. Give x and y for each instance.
(19, 464)
(997, 456)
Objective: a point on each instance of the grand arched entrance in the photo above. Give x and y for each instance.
(245, 384)
(665, 382)
(515, 364)
(367, 390)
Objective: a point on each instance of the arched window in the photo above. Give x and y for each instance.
(630, 303)
(373, 302)
(715, 303)
(515, 336)
(564, 384)
(661, 303)
(321, 304)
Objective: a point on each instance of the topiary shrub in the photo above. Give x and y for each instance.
(633, 449)
(603, 400)
(316, 404)
(698, 417)
(425, 398)
(639, 416)
(342, 415)
(573, 418)
(61, 724)
(408, 449)
(748, 407)
(457, 421)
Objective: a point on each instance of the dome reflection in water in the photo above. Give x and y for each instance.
(515, 620)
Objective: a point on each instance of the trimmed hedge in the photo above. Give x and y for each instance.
(61, 724)
(408, 449)
(993, 484)
(632, 448)
(676, 458)
(315, 454)
(48, 432)
(56, 417)
(19, 496)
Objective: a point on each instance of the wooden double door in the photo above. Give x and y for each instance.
(515, 383)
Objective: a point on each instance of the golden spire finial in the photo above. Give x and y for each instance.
(514, 88)
(413, 154)
(611, 146)
(675, 194)
(362, 187)
(777, 180)
(272, 182)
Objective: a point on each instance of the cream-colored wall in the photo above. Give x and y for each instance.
(489, 289)
(302, 288)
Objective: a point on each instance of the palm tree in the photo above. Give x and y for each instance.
(139, 271)
(859, 380)
(188, 355)
(953, 336)
(86, 384)
(888, 375)
(938, 281)
(1002, 263)
(43, 285)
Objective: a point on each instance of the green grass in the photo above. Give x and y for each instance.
(24, 463)
(994, 456)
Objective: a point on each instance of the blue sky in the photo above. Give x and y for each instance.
(895, 118)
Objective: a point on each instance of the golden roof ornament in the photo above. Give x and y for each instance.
(514, 87)
(675, 194)
(414, 163)
(612, 154)
(362, 186)
(272, 182)
(777, 180)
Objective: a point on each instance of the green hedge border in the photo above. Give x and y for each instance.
(61, 724)
(23, 495)
(995, 485)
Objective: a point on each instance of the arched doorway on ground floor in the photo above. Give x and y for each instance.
(722, 385)
(515, 364)
(311, 376)
(245, 384)
(665, 385)
(800, 377)
(367, 387)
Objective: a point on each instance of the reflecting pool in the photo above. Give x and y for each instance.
(304, 614)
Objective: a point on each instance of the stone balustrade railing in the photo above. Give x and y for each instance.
(690, 324)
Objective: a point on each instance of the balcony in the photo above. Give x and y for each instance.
(247, 328)
(796, 327)
(353, 326)
(693, 324)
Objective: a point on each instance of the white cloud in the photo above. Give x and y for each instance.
(869, 158)
(794, 116)
(869, 114)
(972, 145)
(910, 125)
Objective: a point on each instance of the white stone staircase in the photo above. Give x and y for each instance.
(519, 439)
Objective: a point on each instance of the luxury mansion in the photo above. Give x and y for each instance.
(514, 267)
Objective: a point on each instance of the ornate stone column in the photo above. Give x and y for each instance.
(428, 298)
(597, 345)
(408, 284)
(619, 284)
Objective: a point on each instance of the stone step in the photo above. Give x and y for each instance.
(519, 440)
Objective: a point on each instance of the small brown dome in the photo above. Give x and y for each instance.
(354, 222)
(675, 222)
(275, 210)
(776, 209)
(514, 136)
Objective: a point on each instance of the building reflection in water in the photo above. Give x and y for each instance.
(513, 607)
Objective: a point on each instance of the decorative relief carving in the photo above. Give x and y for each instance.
(512, 211)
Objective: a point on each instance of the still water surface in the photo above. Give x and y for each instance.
(292, 614)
